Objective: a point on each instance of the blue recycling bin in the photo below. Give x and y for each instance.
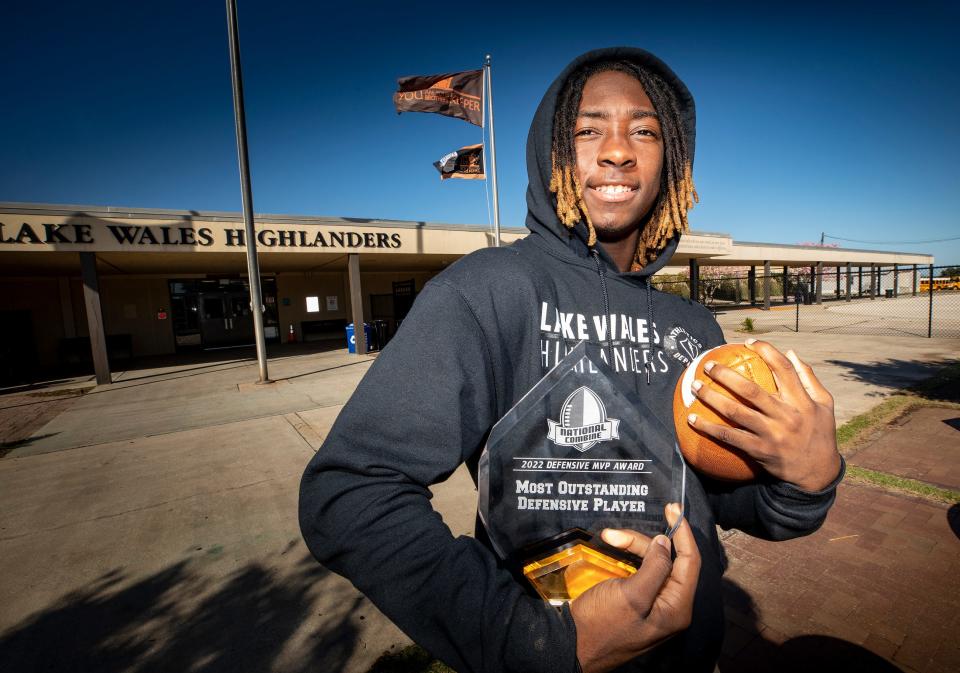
(352, 342)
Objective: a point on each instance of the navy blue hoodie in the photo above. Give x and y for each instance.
(478, 337)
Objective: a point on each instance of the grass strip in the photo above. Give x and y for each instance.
(902, 484)
(859, 428)
(942, 390)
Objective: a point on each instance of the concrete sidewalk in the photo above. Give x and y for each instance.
(150, 524)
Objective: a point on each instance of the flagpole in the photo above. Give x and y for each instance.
(240, 120)
(488, 99)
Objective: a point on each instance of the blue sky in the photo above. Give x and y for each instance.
(814, 119)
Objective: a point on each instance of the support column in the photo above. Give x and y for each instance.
(785, 284)
(860, 281)
(837, 292)
(873, 281)
(896, 280)
(849, 281)
(91, 300)
(813, 283)
(694, 280)
(752, 284)
(914, 280)
(766, 285)
(819, 282)
(356, 303)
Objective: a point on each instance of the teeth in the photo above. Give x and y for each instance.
(613, 189)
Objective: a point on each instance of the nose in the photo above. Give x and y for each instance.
(616, 151)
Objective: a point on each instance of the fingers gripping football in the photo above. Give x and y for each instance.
(791, 433)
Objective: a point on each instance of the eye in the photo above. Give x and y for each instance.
(646, 131)
(585, 132)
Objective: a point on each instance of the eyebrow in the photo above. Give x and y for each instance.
(599, 114)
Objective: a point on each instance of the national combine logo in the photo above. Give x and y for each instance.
(583, 422)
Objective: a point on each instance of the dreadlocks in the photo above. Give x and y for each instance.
(677, 193)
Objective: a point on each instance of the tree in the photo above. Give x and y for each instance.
(950, 271)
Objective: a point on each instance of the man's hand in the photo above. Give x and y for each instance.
(793, 434)
(622, 618)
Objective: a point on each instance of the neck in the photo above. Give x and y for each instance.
(623, 250)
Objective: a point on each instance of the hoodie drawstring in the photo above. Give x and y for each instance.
(606, 310)
(650, 333)
(606, 301)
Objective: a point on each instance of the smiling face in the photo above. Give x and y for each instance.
(619, 148)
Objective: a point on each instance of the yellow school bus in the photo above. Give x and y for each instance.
(950, 283)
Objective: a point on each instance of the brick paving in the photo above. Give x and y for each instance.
(934, 448)
(877, 588)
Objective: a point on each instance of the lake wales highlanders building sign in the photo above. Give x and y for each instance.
(101, 235)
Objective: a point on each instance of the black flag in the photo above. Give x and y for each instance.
(466, 163)
(453, 94)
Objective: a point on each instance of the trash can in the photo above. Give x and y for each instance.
(888, 293)
(380, 333)
(352, 342)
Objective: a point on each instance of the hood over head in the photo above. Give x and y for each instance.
(541, 203)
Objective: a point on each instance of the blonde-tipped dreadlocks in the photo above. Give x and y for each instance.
(677, 193)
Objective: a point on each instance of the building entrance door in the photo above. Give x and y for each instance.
(215, 312)
(226, 319)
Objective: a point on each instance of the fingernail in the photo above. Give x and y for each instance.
(697, 385)
(674, 509)
(790, 354)
(662, 541)
(750, 342)
(692, 418)
(616, 538)
(708, 366)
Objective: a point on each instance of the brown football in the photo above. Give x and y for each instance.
(703, 453)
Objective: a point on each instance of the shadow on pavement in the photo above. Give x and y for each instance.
(324, 369)
(180, 620)
(6, 447)
(953, 518)
(747, 650)
(888, 373)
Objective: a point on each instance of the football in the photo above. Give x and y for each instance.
(703, 453)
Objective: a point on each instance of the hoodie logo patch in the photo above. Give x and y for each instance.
(583, 422)
(682, 346)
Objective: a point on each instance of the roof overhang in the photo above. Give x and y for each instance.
(750, 254)
(138, 240)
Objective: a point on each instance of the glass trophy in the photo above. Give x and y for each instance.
(579, 452)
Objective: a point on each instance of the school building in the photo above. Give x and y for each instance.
(81, 282)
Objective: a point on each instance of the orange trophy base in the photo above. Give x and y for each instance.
(563, 575)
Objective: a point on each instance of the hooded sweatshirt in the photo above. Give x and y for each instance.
(478, 337)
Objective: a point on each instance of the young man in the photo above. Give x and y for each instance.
(609, 160)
